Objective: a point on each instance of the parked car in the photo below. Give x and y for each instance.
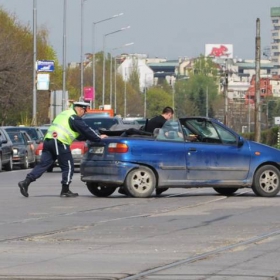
(44, 129)
(6, 151)
(217, 157)
(35, 133)
(23, 149)
(140, 121)
(101, 124)
(78, 149)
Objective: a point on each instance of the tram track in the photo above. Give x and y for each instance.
(153, 270)
(73, 228)
(189, 260)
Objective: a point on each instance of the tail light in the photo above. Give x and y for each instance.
(117, 148)
(38, 152)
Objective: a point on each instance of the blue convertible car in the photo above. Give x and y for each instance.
(192, 152)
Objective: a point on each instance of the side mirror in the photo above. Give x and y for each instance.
(240, 141)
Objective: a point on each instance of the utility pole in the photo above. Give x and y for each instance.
(257, 84)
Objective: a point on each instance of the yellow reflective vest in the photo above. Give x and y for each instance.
(60, 128)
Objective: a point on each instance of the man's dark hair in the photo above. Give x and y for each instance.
(167, 110)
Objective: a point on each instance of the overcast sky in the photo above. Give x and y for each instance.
(158, 28)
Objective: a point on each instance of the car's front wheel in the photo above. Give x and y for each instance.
(100, 191)
(266, 181)
(9, 165)
(226, 191)
(25, 163)
(140, 182)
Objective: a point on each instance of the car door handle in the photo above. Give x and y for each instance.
(192, 149)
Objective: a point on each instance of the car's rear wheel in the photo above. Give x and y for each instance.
(140, 182)
(100, 191)
(226, 191)
(266, 181)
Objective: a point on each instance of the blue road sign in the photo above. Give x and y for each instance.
(45, 65)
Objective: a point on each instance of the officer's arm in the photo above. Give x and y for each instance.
(86, 132)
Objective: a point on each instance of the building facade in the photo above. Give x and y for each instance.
(275, 39)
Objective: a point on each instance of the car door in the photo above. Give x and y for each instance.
(217, 155)
(5, 147)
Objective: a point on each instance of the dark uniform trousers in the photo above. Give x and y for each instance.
(54, 150)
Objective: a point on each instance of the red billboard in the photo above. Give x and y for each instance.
(89, 94)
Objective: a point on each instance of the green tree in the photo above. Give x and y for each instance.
(157, 99)
(16, 71)
(195, 96)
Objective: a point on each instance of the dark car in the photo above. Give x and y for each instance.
(35, 133)
(44, 129)
(104, 123)
(216, 157)
(23, 149)
(6, 151)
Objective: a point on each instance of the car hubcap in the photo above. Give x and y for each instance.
(141, 181)
(269, 181)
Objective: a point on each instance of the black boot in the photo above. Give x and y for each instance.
(65, 192)
(23, 185)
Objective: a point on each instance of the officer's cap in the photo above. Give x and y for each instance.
(84, 105)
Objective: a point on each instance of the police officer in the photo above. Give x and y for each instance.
(66, 127)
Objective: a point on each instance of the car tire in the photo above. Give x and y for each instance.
(140, 182)
(25, 163)
(9, 165)
(226, 191)
(32, 164)
(100, 191)
(266, 182)
(161, 190)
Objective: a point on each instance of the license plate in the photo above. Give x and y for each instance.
(96, 150)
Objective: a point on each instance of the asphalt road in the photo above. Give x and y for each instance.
(183, 234)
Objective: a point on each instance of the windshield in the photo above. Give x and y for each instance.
(171, 131)
(208, 131)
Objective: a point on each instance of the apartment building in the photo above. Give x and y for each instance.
(275, 39)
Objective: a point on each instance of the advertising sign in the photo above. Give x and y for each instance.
(43, 81)
(277, 120)
(45, 65)
(219, 50)
(88, 93)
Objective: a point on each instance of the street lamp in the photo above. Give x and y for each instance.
(64, 56)
(34, 121)
(104, 57)
(111, 76)
(125, 77)
(82, 49)
(93, 46)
